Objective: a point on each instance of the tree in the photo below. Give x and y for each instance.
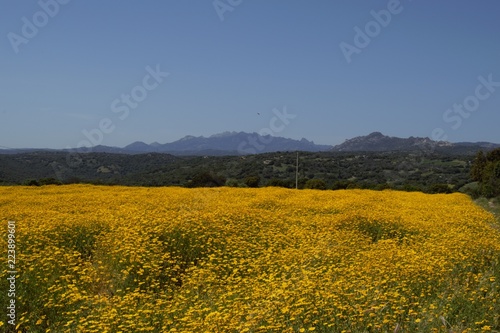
(490, 186)
(486, 171)
(478, 166)
(493, 156)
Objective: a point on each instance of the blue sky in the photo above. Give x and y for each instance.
(234, 67)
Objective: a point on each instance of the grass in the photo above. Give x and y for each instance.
(492, 205)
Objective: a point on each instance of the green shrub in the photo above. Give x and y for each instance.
(315, 184)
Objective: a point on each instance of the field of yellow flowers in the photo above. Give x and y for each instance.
(121, 259)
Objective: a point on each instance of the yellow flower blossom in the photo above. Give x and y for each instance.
(134, 259)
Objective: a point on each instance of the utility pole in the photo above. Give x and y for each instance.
(297, 173)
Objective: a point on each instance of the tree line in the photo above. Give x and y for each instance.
(486, 171)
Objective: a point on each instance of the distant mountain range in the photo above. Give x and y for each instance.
(233, 143)
(227, 143)
(242, 143)
(376, 141)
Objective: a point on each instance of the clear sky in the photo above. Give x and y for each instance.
(342, 68)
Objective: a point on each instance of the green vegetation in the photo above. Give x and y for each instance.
(437, 172)
(486, 171)
(492, 205)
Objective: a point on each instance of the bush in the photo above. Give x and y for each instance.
(382, 186)
(340, 185)
(473, 189)
(73, 180)
(206, 179)
(252, 181)
(49, 181)
(440, 188)
(280, 183)
(232, 183)
(315, 184)
(411, 188)
(31, 182)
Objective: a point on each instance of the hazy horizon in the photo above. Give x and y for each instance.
(216, 134)
(77, 73)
